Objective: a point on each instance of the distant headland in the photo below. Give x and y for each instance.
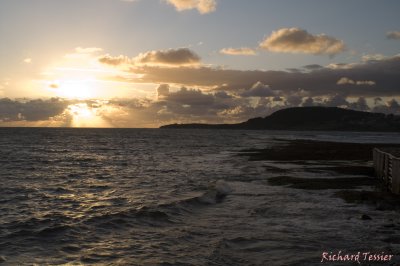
(311, 118)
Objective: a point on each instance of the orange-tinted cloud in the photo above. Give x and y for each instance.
(114, 61)
(170, 57)
(238, 51)
(345, 81)
(203, 6)
(174, 57)
(295, 40)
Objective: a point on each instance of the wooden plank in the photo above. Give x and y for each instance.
(389, 171)
(396, 176)
(380, 165)
(376, 155)
(385, 167)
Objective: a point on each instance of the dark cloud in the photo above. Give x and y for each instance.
(295, 40)
(258, 90)
(222, 95)
(360, 104)
(294, 100)
(336, 101)
(391, 107)
(394, 35)
(377, 100)
(312, 67)
(384, 73)
(165, 58)
(31, 110)
(162, 90)
(293, 70)
(190, 97)
(308, 102)
(277, 99)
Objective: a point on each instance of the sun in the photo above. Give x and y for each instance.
(74, 89)
(85, 116)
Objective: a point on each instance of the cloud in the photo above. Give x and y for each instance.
(88, 50)
(181, 56)
(162, 91)
(337, 100)
(295, 40)
(308, 102)
(360, 104)
(54, 85)
(170, 57)
(238, 51)
(313, 67)
(83, 53)
(366, 82)
(345, 81)
(373, 57)
(114, 61)
(203, 6)
(32, 110)
(28, 60)
(258, 90)
(222, 95)
(385, 74)
(182, 106)
(190, 97)
(394, 35)
(390, 107)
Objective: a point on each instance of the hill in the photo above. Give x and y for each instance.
(311, 118)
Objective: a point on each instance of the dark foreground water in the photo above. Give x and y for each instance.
(148, 197)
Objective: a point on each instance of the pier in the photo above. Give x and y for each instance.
(387, 167)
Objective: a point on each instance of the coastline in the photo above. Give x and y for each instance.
(348, 167)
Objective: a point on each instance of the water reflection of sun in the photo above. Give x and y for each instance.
(85, 116)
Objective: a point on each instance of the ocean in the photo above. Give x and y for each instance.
(171, 197)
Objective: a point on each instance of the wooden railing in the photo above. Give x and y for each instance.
(387, 167)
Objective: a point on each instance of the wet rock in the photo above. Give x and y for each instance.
(365, 217)
(223, 189)
(392, 225)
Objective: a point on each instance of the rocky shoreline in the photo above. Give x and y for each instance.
(344, 168)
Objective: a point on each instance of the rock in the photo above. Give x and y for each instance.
(365, 217)
(222, 188)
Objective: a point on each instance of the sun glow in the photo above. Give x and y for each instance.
(80, 75)
(74, 89)
(83, 115)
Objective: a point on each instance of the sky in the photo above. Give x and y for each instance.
(146, 63)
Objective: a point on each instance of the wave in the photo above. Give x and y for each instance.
(44, 227)
(164, 213)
